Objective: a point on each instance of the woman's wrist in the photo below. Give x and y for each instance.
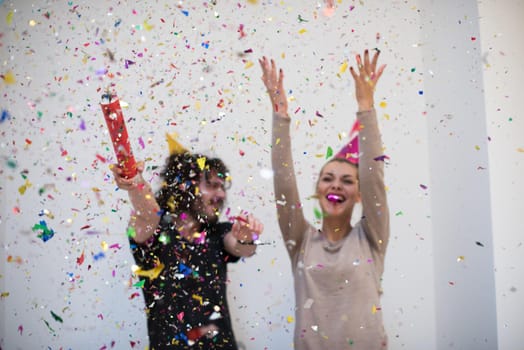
(365, 106)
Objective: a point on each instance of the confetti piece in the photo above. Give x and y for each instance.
(290, 319)
(309, 302)
(343, 67)
(99, 256)
(151, 273)
(479, 244)
(134, 295)
(329, 152)
(131, 232)
(9, 78)
(80, 259)
(240, 30)
(128, 63)
(383, 104)
(139, 284)
(48, 326)
(184, 269)
(56, 317)
(16, 259)
(9, 17)
(424, 187)
(381, 158)
(318, 214)
(46, 233)
(147, 26)
(201, 162)
(4, 115)
(24, 187)
(302, 31)
(198, 298)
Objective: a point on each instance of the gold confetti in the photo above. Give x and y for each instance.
(9, 78)
(201, 162)
(151, 273)
(343, 67)
(9, 17)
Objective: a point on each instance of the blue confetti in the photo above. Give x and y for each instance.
(5, 115)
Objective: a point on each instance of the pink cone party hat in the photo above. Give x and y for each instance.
(350, 150)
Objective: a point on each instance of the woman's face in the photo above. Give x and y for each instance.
(337, 188)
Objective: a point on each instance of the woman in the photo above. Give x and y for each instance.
(337, 269)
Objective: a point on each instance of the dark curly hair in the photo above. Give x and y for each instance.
(180, 178)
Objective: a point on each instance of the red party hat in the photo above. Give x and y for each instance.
(350, 150)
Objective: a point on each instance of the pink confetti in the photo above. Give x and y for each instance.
(100, 158)
(241, 31)
(20, 329)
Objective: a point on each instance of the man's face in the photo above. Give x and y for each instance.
(212, 195)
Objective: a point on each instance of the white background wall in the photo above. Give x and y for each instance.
(450, 125)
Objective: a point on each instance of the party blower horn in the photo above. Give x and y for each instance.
(118, 132)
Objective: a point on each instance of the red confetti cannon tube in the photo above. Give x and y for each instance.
(117, 129)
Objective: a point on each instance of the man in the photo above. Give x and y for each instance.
(183, 250)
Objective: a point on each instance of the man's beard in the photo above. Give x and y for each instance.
(198, 211)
